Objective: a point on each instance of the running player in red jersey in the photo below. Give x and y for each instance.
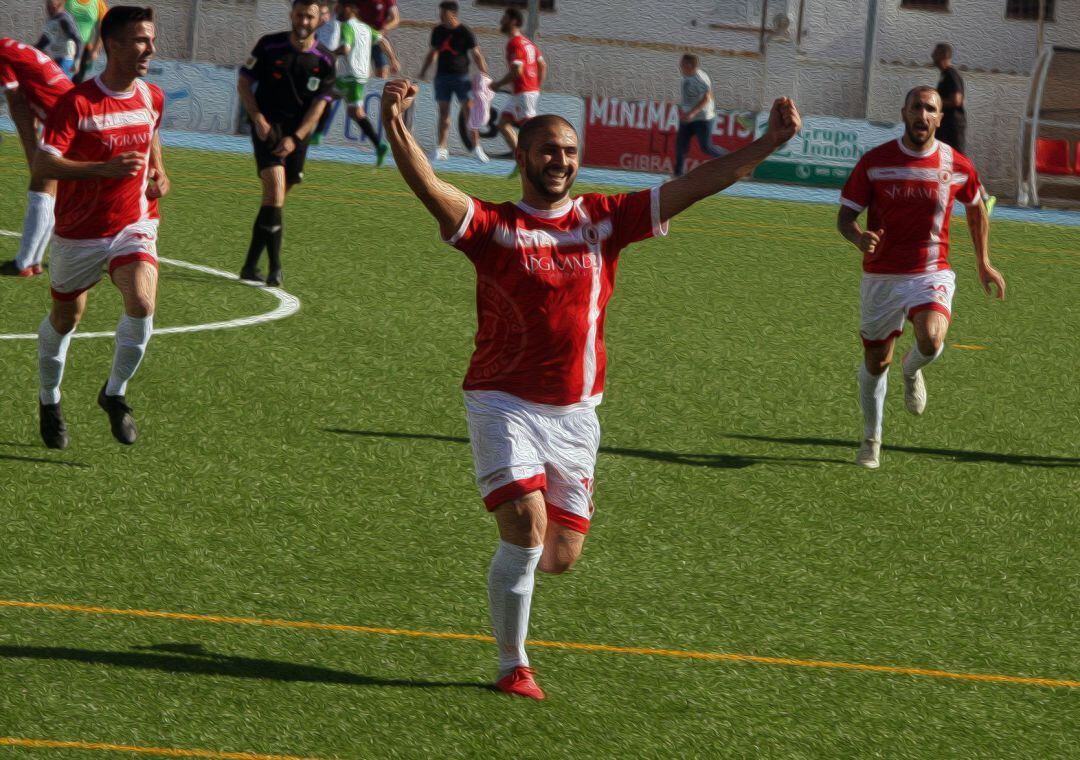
(545, 272)
(526, 71)
(101, 142)
(33, 83)
(909, 186)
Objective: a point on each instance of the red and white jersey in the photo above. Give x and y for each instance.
(910, 195)
(33, 74)
(93, 123)
(520, 49)
(544, 279)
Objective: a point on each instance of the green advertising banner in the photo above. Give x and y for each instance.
(825, 151)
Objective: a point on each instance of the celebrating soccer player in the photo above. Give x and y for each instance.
(101, 143)
(284, 86)
(33, 84)
(909, 186)
(545, 273)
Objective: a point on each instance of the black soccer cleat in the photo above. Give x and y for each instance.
(251, 274)
(53, 428)
(12, 269)
(123, 424)
(274, 279)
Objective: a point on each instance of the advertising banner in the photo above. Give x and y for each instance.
(425, 120)
(640, 135)
(825, 151)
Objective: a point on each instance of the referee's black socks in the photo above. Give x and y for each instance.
(266, 234)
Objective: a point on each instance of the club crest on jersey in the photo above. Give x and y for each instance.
(591, 233)
(945, 176)
(313, 84)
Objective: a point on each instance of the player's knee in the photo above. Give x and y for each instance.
(64, 322)
(140, 307)
(930, 344)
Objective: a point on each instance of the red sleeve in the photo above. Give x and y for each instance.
(856, 192)
(971, 192)
(636, 216)
(8, 80)
(476, 229)
(514, 51)
(61, 126)
(159, 106)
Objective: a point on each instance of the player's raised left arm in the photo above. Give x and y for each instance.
(978, 222)
(711, 177)
(445, 202)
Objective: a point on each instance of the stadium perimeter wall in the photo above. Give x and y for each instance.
(813, 49)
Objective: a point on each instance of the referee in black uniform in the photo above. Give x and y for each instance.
(951, 89)
(285, 85)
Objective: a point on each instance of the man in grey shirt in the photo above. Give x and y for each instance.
(697, 113)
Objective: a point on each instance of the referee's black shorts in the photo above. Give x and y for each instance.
(265, 158)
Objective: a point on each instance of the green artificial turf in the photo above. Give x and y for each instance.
(316, 469)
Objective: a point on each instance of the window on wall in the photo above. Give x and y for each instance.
(545, 5)
(925, 5)
(1028, 10)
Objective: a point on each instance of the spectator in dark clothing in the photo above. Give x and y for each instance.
(951, 89)
(453, 43)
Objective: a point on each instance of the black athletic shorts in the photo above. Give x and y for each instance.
(265, 158)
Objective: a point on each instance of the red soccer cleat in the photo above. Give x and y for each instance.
(11, 269)
(37, 269)
(519, 681)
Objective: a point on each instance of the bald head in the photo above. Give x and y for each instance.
(920, 92)
(542, 125)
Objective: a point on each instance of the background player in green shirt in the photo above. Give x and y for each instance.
(87, 15)
(354, 66)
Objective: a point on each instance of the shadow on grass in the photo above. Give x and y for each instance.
(193, 659)
(959, 455)
(721, 461)
(41, 460)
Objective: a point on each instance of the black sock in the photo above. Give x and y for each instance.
(258, 239)
(275, 229)
(368, 130)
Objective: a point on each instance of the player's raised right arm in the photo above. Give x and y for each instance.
(444, 201)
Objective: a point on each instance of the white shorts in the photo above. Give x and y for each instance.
(887, 299)
(75, 266)
(522, 106)
(519, 447)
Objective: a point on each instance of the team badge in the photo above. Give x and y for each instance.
(945, 177)
(313, 84)
(591, 234)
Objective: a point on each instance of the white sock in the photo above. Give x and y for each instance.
(916, 359)
(37, 227)
(872, 398)
(52, 355)
(510, 587)
(132, 335)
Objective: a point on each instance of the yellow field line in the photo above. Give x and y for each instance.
(565, 645)
(964, 347)
(11, 741)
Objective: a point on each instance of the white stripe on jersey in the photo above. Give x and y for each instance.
(102, 122)
(589, 364)
(944, 192)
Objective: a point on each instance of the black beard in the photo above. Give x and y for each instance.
(915, 140)
(537, 180)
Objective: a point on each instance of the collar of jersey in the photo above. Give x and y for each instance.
(555, 213)
(908, 151)
(114, 93)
